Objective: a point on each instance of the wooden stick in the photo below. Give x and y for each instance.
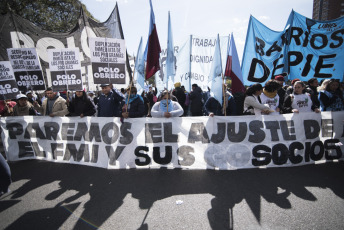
(167, 103)
(224, 95)
(131, 83)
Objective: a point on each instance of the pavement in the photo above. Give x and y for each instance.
(47, 195)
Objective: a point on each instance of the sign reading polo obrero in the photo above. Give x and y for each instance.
(8, 85)
(65, 69)
(27, 68)
(108, 60)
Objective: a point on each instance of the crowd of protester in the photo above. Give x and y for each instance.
(275, 97)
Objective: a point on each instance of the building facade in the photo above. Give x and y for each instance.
(327, 9)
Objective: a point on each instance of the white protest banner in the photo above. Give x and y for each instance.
(194, 60)
(108, 57)
(8, 85)
(185, 142)
(27, 68)
(65, 69)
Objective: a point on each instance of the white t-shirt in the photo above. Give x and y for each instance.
(271, 102)
(302, 102)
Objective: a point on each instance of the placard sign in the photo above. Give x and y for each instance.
(108, 60)
(8, 85)
(27, 68)
(65, 69)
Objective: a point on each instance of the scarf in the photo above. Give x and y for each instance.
(163, 105)
(132, 98)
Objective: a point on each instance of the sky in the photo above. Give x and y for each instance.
(197, 17)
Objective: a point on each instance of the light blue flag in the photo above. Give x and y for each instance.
(306, 48)
(215, 76)
(170, 59)
(139, 74)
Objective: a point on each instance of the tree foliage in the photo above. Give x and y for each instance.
(51, 15)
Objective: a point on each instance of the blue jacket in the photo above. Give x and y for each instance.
(110, 105)
(136, 108)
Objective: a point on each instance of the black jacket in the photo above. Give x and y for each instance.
(196, 101)
(81, 105)
(180, 95)
(136, 108)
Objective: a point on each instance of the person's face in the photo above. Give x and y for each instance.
(29, 95)
(133, 92)
(315, 83)
(90, 94)
(165, 97)
(79, 93)
(298, 88)
(50, 94)
(334, 86)
(106, 90)
(22, 102)
(150, 89)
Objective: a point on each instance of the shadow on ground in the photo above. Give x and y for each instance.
(107, 189)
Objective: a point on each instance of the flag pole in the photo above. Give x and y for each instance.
(131, 83)
(224, 95)
(167, 102)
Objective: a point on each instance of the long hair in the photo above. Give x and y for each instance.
(84, 97)
(253, 89)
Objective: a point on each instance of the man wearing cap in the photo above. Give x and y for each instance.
(312, 90)
(31, 98)
(53, 105)
(23, 107)
(109, 104)
(94, 99)
(281, 92)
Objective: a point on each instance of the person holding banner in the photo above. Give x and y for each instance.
(299, 101)
(331, 97)
(252, 103)
(213, 107)
(23, 107)
(81, 105)
(109, 103)
(31, 97)
(166, 107)
(53, 105)
(271, 98)
(134, 106)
